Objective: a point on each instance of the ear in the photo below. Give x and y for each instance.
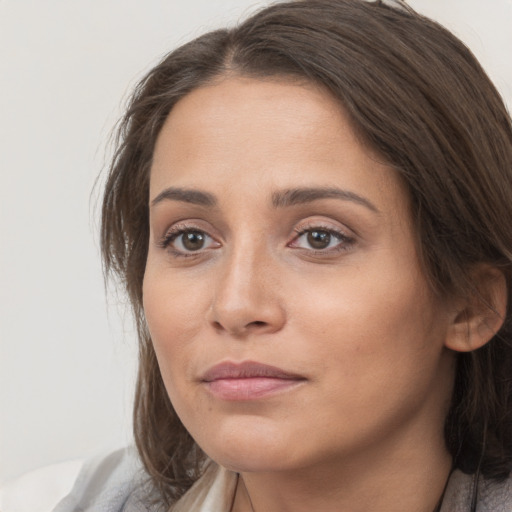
(480, 316)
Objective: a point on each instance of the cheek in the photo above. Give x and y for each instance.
(372, 323)
(175, 313)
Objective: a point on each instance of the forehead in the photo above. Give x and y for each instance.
(253, 135)
(241, 113)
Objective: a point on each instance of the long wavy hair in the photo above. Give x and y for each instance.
(419, 98)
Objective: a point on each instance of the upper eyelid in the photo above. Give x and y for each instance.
(189, 225)
(167, 242)
(328, 225)
(340, 235)
(175, 236)
(175, 231)
(305, 224)
(332, 231)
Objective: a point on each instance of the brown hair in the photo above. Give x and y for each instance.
(417, 96)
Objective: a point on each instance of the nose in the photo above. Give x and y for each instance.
(246, 298)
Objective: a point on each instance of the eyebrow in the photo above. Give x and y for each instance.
(280, 199)
(185, 195)
(295, 196)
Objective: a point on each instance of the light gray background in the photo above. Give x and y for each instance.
(67, 361)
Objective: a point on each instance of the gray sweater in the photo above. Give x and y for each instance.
(117, 483)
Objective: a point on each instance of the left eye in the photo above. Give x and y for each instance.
(318, 239)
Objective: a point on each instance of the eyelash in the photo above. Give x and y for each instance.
(166, 242)
(344, 241)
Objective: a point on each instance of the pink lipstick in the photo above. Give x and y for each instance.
(248, 380)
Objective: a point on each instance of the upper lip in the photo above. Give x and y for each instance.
(246, 370)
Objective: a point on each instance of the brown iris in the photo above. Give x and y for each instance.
(193, 240)
(319, 239)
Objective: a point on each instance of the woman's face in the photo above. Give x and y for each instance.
(290, 317)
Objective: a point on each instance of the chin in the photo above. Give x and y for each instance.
(253, 460)
(251, 450)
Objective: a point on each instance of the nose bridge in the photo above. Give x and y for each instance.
(240, 271)
(241, 281)
(246, 297)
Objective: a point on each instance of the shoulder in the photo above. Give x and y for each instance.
(103, 483)
(493, 496)
(118, 483)
(41, 489)
(496, 496)
(106, 483)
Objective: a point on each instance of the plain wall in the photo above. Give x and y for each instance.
(67, 358)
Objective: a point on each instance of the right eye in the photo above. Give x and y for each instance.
(187, 241)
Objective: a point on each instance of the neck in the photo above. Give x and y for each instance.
(407, 479)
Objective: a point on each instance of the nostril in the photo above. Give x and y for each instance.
(258, 323)
(217, 325)
(251, 325)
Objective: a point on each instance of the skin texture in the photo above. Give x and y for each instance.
(363, 428)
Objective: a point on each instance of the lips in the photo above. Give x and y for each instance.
(248, 380)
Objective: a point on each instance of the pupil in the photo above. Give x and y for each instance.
(319, 239)
(193, 240)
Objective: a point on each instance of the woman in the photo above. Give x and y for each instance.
(311, 215)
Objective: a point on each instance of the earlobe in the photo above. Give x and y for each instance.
(479, 316)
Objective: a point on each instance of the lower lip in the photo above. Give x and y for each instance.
(251, 388)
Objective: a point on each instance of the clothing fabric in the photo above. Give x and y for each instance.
(118, 483)
(41, 489)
